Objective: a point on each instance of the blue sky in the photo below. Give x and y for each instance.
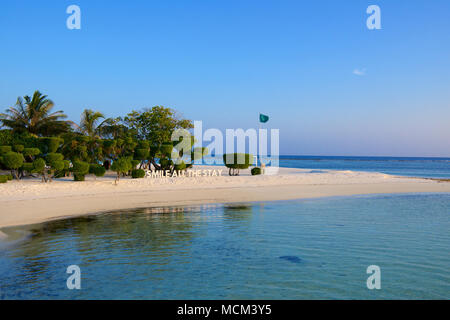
(223, 62)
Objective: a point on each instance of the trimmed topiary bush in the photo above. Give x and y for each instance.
(50, 145)
(64, 171)
(236, 161)
(256, 171)
(135, 163)
(6, 137)
(141, 154)
(28, 167)
(137, 174)
(18, 148)
(31, 152)
(5, 149)
(108, 144)
(57, 165)
(10, 177)
(52, 157)
(3, 179)
(92, 167)
(39, 165)
(13, 161)
(78, 177)
(80, 169)
(166, 149)
(180, 166)
(144, 144)
(121, 166)
(99, 171)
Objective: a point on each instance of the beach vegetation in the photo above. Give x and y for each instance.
(35, 115)
(13, 161)
(99, 171)
(80, 170)
(55, 163)
(19, 148)
(50, 144)
(121, 166)
(137, 173)
(30, 153)
(3, 179)
(78, 177)
(237, 161)
(180, 166)
(27, 167)
(92, 167)
(33, 131)
(5, 149)
(256, 171)
(6, 137)
(90, 124)
(39, 167)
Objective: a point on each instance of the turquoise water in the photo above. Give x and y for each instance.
(308, 249)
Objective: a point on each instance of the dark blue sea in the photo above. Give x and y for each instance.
(411, 167)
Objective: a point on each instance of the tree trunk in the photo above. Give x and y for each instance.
(157, 167)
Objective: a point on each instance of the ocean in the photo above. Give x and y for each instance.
(411, 167)
(438, 168)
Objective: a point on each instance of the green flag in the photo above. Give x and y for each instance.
(263, 118)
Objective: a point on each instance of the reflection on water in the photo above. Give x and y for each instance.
(278, 250)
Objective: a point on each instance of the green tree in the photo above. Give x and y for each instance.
(90, 124)
(13, 161)
(39, 167)
(34, 115)
(56, 163)
(121, 166)
(113, 128)
(31, 153)
(156, 125)
(80, 169)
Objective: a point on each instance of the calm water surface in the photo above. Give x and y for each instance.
(317, 249)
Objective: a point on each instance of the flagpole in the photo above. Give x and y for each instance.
(259, 129)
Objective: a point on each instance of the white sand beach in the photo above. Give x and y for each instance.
(29, 201)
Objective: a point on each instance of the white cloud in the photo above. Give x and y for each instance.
(359, 72)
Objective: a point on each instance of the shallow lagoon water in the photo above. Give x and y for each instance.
(303, 249)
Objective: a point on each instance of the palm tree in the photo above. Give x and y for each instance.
(34, 115)
(113, 128)
(89, 123)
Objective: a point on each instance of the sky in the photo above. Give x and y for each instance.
(328, 83)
